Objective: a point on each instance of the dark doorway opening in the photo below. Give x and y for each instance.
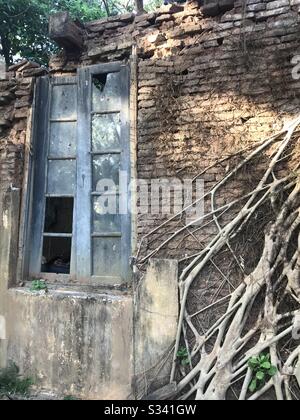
(57, 241)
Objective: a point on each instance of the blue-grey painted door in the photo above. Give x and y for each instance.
(82, 150)
(103, 240)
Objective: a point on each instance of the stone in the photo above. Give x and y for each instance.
(65, 32)
(34, 72)
(124, 45)
(98, 51)
(96, 27)
(156, 38)
(127, 17)
(16, 66)
(142, 24)
(163, 18)
(20, 93)
(145, 17)
(170, 9)
(113, 25)
(270, 13)
(271, 5)
(21, 113)
(28, 65)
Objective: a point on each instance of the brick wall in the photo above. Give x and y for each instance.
(16, 93)
(207, 86)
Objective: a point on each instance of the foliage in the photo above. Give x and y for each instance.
(11, 381)
(38, 285)
(262, 370)
(183, 356)
(152, 5)
(24, 25)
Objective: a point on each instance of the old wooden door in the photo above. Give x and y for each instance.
(81, 224)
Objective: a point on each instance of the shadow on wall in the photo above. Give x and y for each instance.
(210, 99)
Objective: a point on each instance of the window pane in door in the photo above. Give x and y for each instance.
(62, 139)
(106, 92)
(106, 172)
(61, 177)
(107, 257)
(106, 132)
(106, 218)
(64, 102)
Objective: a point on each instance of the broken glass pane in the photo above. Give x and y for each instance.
(61, 177)
(106, 92)
(106, 132)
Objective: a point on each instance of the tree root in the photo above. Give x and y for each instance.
(261, 312)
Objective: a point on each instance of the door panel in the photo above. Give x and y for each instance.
(103, 136)
(55, 143)
(81, 145)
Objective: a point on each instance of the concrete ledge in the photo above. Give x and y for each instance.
(156, 316)
(72, 343)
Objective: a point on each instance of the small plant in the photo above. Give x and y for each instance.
(262, 369)
(183, 356)
(70, 398)
(38, 285)
(11, 382)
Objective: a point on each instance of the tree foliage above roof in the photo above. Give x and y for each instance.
(24, 24)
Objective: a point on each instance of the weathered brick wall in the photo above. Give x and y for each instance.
(15, 102)
(207, 87)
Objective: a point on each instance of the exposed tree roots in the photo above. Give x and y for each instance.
(263, 309)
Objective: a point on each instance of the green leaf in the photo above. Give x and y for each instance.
(11, 382)
(25, 23)
(253, 362)
(182, 352)
(260, 375)
(263, 358)
(38, 285)
(253, 385)
(266, 365)
(272, 371)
